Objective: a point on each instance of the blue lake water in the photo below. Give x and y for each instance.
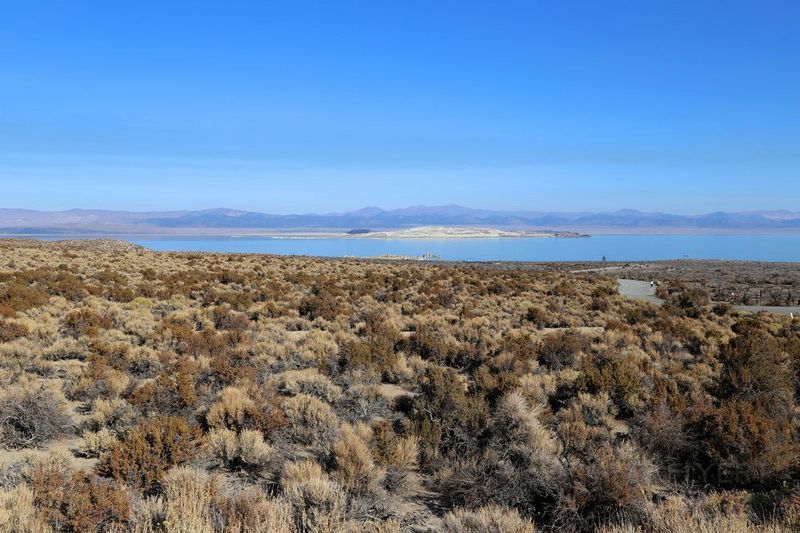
(613, 247)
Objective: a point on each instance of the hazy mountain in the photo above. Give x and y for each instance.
(107, 221)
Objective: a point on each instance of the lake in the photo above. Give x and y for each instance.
(613, 247)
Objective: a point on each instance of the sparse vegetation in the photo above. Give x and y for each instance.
(145, 392)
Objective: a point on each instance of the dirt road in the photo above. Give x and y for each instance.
(642, 290)
(638, 290)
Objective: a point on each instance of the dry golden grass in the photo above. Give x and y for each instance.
(231, 410)
(310, 421)
(318, 502)
(307, 381)
(18, 513)
(188, 494)
(355, 467)
(246, 449)
(489, 519)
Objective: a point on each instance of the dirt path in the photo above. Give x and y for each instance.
(642, 290)
(638, 290)
(421, 509)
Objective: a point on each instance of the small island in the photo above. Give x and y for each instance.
(457, 232)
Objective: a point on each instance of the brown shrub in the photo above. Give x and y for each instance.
(617, 376)
(695, 391)
(20, 296)
(750, 437)
(663, 434)
(225, 319)
(618, 482)
(77, 501)
(372, 354)
(432, 340)
(174, 390)
(67, 285)
(755, 365)
(148, 451)
(688, 301)
(588, 422)
(449, 421)
(84, 321)
(322, 303)
(748, 446)
(559, 350)
(10, 331)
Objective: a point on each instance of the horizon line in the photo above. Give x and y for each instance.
(413, 206)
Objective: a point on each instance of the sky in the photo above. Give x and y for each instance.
(295, 106)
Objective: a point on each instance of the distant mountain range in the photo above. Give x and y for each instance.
(89, 221)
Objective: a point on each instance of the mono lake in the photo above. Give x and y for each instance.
(612, 247)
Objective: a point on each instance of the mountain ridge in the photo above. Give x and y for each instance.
(110, 221)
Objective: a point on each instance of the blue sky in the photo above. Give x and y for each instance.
(325, 106)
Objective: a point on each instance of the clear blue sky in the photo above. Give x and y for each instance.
(290, 106)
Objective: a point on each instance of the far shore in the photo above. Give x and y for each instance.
(417, 233)
(150, 233)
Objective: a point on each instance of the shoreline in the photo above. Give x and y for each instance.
(305, 235)
(575, 266)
